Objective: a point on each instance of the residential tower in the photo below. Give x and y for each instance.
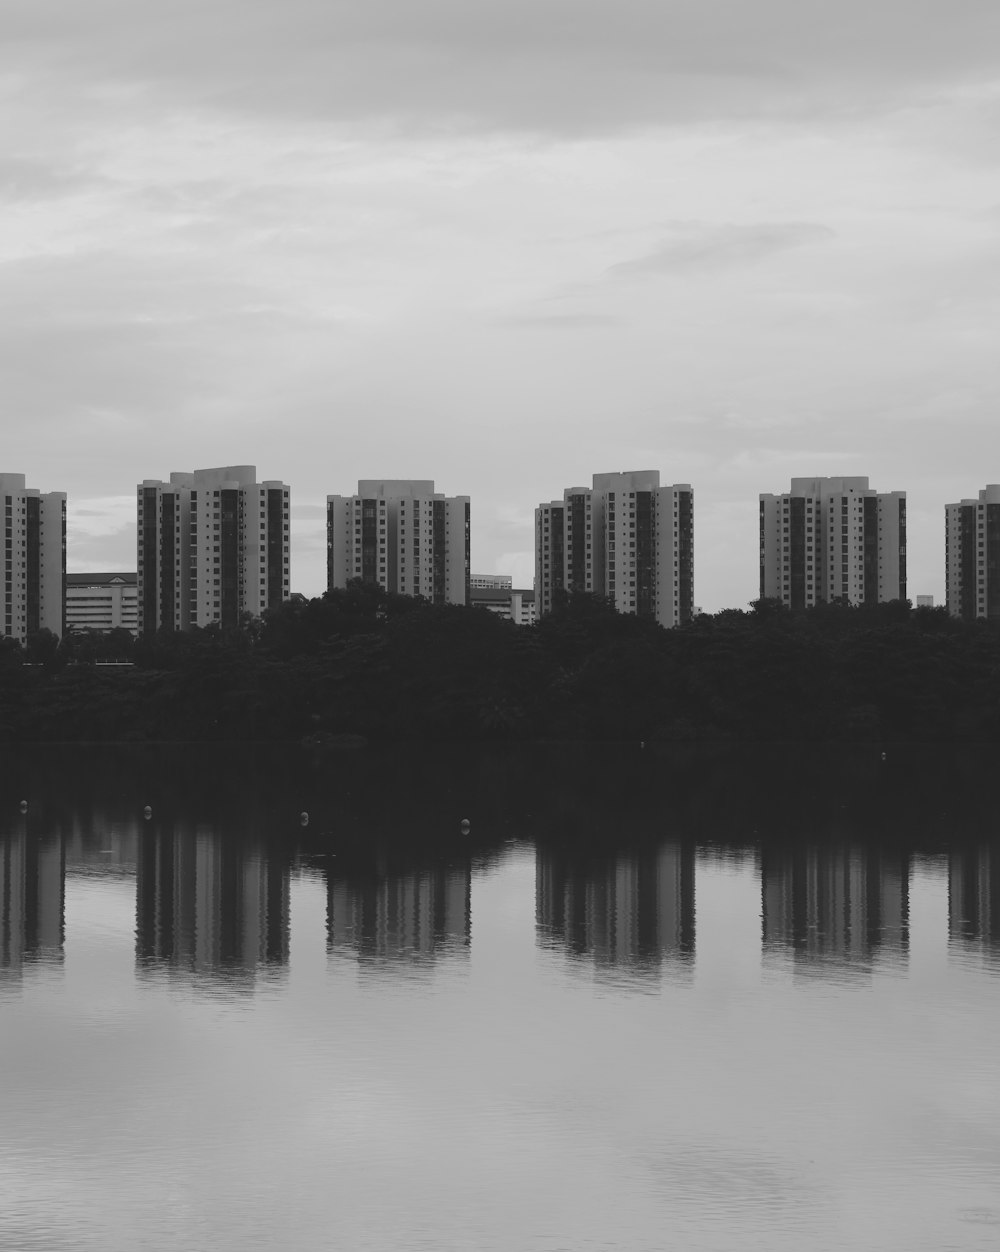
(832, 539)
(625, 538)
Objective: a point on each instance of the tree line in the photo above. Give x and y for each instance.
(363, 662)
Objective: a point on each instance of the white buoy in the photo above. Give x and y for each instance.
(465, 826)
(147, 812)
(23, 806)
(303, 819)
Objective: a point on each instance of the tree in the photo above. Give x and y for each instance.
(43, 649)
(11, 652)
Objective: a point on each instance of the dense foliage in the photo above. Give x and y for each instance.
(360, 662)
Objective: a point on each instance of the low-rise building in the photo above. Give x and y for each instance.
(491, 582)
(516, 605)
(102, 602)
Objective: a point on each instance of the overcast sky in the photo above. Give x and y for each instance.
(505, 246)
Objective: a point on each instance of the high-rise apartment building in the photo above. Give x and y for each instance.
(34, 534)
(972, 555)
(625, 538)
(213, 546)
(403, 536)
(833, 538)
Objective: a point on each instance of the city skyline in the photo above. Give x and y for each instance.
(798, 538)
(926, 540)
(741, 241)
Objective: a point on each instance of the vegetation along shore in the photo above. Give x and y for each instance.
(363, 664)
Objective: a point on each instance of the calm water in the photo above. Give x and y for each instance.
(698, 1001)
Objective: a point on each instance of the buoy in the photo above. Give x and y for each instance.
(23, 806)
(303, 819)
(465, 825)
(883, 756)
(147, 812)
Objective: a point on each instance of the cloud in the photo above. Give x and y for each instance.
(100, 532)
(760, 461)
(561, 321)
(289, 234)
(113, 550)
(26, 180)
(520, 566)
(307, 543)
(142, 335)
(700, 248)
(546, 65)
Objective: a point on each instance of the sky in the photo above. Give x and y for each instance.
(505, 246)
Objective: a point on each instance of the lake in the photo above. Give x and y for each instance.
(698, 998)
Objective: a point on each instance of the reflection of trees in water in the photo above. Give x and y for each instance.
(835, 902)
(419, 793)
(633, 909)
(32, 898)
(210, 905)
(88, 789)
(415, 795)
(905, 795)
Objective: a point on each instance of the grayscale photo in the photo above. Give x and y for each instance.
(500, 640)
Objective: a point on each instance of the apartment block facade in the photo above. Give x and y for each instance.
(34, 540)
(833, 538)
(213, 545)
(625, 538)
(102, 602)
(513, 604)
(403, 536)
(972, 555)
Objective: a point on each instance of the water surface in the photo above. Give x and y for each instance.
(701, 1000)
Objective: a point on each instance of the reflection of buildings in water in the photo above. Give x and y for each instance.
(836, 902)
(99, 844)
(417, 915)
(210, 905)
(974, 895)
(32, 899)
(635, 909)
